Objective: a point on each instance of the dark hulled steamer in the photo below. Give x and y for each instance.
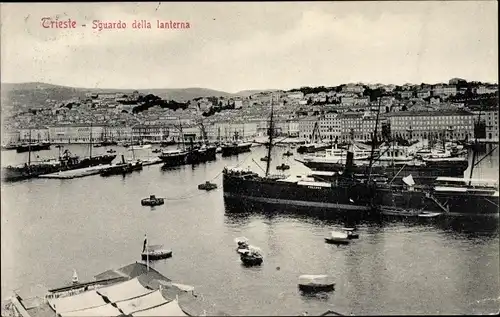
(33, 147)
(235, 148)
(174, 157)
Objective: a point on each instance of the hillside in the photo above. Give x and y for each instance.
(246, 93)
(36, 94)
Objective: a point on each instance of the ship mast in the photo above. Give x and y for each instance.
(374, 139)
(29, 150)
(270, 132)
(90, 156)
(476, 132)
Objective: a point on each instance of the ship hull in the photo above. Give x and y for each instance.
(228, 150)
(197, 156)
(33, 147)
(174, 160)
(348, 198)
(312, 149)
(449, 203)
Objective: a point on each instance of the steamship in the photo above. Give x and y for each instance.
(345, 191)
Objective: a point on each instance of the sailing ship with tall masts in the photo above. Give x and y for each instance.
(33, 146)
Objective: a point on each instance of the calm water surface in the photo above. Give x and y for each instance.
(92, 224)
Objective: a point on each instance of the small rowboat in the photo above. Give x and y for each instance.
(283, 167)
(338, 238)
(155, 252)
(207, 186)
(251, 256)
(316, 283)
(152, 201)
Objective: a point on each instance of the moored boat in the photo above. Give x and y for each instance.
(155, 252)
(207, 186)
(152, 200)
(337, 238)
(316, 283)
(283, 167)
(173, 157)
(235, 148)
(251, 256)
(40, 146)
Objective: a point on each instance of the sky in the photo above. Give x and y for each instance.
(253, 45)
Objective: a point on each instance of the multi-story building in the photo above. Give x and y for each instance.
(330, 127)
(406, 94)
(76, 133)
(34, 134)
(293, 128)
(296, 95)
(452, 124)
(362, 101)
(444, 90)
(151, 133)
(481, 90)
(223, 131)
(351, 123)
(306, 127)
(489, 117)
(10, 136)
(353, 88)
(424, 93)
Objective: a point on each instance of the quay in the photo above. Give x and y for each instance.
(133, 290)
(88, 171)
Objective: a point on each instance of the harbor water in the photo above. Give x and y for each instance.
(92, 224)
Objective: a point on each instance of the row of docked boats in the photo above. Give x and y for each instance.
(202, 153)
(425, 165)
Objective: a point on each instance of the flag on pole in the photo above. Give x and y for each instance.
(145, 243)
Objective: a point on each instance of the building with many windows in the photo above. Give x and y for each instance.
(151, 133)
(453, 124)
(330, 126)
(306, 127)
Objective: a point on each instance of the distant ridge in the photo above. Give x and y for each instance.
(180, 94)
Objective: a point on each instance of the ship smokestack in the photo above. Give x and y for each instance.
(349, 161)
(123, 159)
